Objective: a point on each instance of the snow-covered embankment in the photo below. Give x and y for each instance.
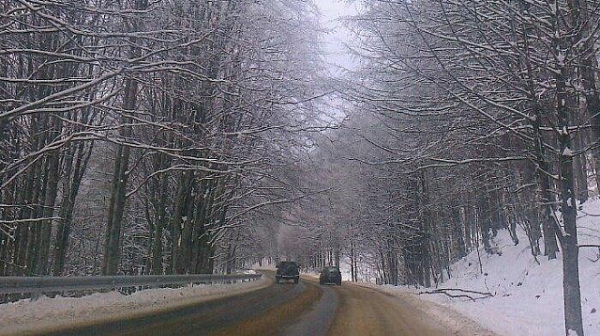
(528, 298)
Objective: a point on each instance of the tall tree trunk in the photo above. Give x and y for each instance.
(426, 220)
(112, 250)
(543, 175)
(580, 170)
(73, 177)
(568, 240)
(458, 241)
(112, 245)
(48, 212)
(484, 222)
(588, 67)
(157, 238)
(183, 193)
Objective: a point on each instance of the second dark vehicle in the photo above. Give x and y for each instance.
(331, 275)
(287, 270)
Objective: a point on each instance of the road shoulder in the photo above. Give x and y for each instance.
(452, 320)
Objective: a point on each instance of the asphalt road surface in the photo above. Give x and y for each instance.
(286, 309)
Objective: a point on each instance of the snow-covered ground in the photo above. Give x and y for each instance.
(27, 315)
(527, 296)
(365, 271)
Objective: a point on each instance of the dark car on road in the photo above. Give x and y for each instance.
(287, 270)
(330, 275)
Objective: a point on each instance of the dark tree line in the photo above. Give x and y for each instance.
(145, 137)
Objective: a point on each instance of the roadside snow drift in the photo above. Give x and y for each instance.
(28, 315)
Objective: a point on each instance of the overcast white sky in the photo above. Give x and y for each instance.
(332, 11)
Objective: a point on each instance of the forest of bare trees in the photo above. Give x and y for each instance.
(176, 136)
(463, 118)
(147, 137)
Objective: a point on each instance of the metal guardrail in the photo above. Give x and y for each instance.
(13, 285)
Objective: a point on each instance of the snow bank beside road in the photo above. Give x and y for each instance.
(26, 315)
(528, 298)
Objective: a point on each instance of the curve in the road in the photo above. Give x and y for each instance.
(266, 311)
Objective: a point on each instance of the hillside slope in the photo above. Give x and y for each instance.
(527, 297)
